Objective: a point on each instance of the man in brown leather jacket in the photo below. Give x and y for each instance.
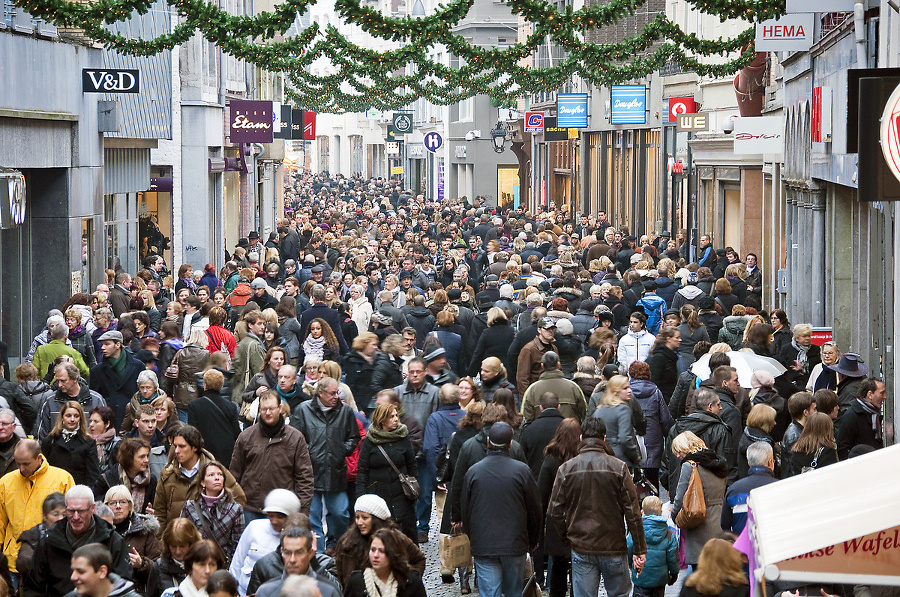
(592, 494)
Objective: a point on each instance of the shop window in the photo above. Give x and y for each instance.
(121, 222)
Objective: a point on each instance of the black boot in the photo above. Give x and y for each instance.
(464, 587)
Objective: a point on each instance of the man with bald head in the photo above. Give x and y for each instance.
(22, 494)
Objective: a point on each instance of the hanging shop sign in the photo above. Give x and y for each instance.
(12, 198)
(785, 34)
(403, 123)
(628, 104)
(297, 124)
(553, 132)
(282, 121)
(251, 121)
(679, 106)
(396, 170)
(821, 115)
(110, 80)
(890, 132)
(534, 122)
(309, 126)
(692, 123)
(799, 6)
(758, 135)
(571, 110)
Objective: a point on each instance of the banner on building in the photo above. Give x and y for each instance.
(250, 121)
(297, 124)
(757, 135)
(403, 123)
(534, 122)
(571, 110)
(396, 170)
(628, 104)
(282, 121)
(785, 34)
(553, 132)
(795, 6)
(309, 126)
(678, 106)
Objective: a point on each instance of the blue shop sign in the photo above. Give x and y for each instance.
(628, 104)
(571, 110)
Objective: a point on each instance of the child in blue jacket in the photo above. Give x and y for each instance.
(662, 552)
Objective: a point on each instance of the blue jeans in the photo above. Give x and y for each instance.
(423, 504)
(337, 516)
(586, 571)
(502, 575)
(182, 415)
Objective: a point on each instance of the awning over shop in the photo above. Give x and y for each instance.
(840, 523)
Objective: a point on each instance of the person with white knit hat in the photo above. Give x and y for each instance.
(352, 550)
(263, 535)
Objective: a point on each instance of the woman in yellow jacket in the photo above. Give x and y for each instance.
(22, 494)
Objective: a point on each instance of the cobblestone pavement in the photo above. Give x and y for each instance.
(435, 588)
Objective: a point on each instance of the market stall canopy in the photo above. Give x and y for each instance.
(839, 524)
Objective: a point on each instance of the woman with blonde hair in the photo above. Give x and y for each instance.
(493, 377)
(691, 451)
(719, 573)
(138, 531)
(616, 412)
(760, 423)
(494, 341)
(800, 355)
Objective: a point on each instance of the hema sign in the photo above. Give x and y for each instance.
(106, 80)
(787, 33)
(628, 104)
(571, 110)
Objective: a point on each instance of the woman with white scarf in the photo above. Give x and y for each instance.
(800, 356)
(388, 573)
(320, 342)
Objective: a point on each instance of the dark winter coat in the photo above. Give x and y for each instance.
(495, 341)
(423, 321)
(374, 475)
(780, 340)
(732, 331)
(78, 456)
(713, 322)
(453, 348)
(52, 568)
(856, 427)
(489, 387)
(512, 530)
(140, 535)
(356, 586)
(386, 373)
(570, 350)
(714, 433)
(117, 390)
(750, 435)
(537, 435)
(788, 354)
(113, 477)
(331, 437)
(662, 554)
(659, 420)
(217, 420)
(554, 545)
(359, 372)
(666, 289)
(441, 425)
(262, 464)
(663, 362)
(689, 339)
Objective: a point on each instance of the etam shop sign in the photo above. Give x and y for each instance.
(791, 32)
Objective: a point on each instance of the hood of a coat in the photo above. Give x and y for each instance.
(643, 388)
(690, 292)
(419, 312)
(735, 325)
(656, 529)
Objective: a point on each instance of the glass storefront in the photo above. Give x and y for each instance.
(121, 223)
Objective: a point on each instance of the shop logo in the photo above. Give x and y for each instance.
(110, 80)
(403, 123)
(890, 132)
(534, 122)
(251, 121)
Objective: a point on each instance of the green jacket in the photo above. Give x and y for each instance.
(46, 354)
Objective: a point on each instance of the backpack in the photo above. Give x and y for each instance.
(654, 313)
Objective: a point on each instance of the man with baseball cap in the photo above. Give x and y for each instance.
(501, 537)
(529, 366)
(115, 378)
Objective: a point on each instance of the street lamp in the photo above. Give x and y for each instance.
(498, 136)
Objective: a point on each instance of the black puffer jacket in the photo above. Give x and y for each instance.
(493, 342)
(714, 433)
(386, 373)
(421, 319)
(78, 456)
(664, 370)
(359, 378)
(331, 437)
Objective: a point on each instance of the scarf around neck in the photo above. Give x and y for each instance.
(271, 431)
(802, 355)
(380, 436)
(314, 346)
(69, 435)
(376, 588)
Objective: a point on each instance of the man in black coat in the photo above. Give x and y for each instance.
(538, 434)
(115, 378)
(323, 311)
(861, 424)
(501, 537)
(705, 423)
(51, 572)
(288, 246)
(215, 417)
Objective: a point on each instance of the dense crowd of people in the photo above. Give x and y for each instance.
(280, 425)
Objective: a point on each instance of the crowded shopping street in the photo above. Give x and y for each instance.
(358, 298)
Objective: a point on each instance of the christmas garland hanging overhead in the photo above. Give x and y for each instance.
(363, 78)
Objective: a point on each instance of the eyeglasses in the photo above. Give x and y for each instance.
(117, 502)
(82, 512)
(7, 424)
(268, 409)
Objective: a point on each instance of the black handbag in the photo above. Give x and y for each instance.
(444, 466)
(409, 483)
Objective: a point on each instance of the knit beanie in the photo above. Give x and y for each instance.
(374, 505)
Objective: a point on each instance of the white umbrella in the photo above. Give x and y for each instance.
(745, 363)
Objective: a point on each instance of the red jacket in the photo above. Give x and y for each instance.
(353, 459)
(219, 336)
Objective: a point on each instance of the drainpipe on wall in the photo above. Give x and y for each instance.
(859, 24)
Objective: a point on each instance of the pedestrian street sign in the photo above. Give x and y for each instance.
(396, 170)
(433, 141)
